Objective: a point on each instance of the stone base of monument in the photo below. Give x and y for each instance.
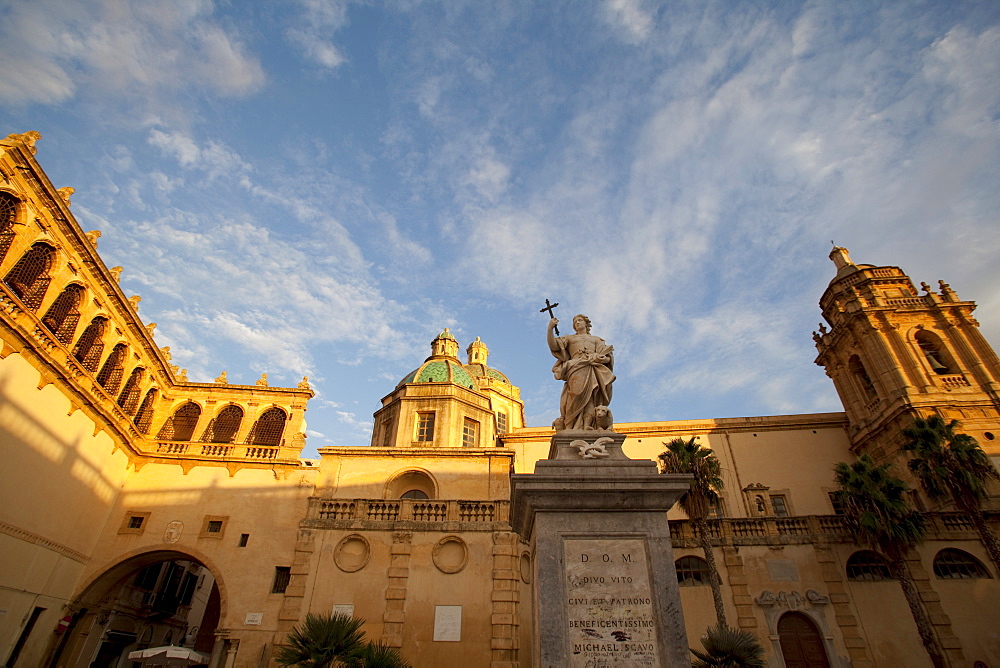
(605, 588)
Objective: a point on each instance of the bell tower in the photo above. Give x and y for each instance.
(894, 353)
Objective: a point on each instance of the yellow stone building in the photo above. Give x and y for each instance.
(141, 509)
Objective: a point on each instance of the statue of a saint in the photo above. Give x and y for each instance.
(584, 363)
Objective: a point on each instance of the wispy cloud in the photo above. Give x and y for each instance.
(54, 51)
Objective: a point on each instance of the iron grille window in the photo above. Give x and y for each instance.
(89, 347)
(129, 398)
(144, 416)
(268, 428)
(29, 278)
(282, 576)
(180, 426)
(63, 316)
(952, 564)
(692, 571)
(425, 427)
(779, 505)
(8, 214)
(868, 566)
(136, 521)
(470, 433)
(501, 423)
(213, 526)
(110, 377)
(223, 427)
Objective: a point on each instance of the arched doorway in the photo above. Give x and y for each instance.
(801, 642)
(155, 598)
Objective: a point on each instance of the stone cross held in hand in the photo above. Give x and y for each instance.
(549, 307)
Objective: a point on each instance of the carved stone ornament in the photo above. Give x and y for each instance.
(28, 139)
(595, 450)
(173, 532)
(450, 554)
(304, 383)
(150, 327)
(65, 194)
(183, 375)
(262, 381)
(792, 600)
(92, 237)
(352, 553)
(116, 273)
(134, 301)
(221, 378)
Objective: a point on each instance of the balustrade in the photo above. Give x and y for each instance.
(409, 510)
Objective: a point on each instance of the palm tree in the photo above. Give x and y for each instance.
(689, 457)
(729, 648)
(379, 655)
(950, 464)
(324, 641)
(876, 514)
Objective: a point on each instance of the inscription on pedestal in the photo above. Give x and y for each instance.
(609, 606)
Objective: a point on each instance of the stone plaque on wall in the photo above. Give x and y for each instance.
(447, 623)
(609, 606)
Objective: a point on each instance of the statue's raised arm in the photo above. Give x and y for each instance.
(584, 363)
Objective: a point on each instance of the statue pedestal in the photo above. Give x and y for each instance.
(605, 588)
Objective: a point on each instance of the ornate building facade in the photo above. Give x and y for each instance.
(141, 509)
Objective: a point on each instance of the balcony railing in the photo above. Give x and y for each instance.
(484, 513)
(808, 528)
(216, 450)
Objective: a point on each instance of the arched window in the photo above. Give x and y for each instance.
(8, 214)
(144, 416)
(223, 427)
(89, 346)
(180, 426)
(692, 571)
(868, 566)
(129, 398)
(110, 376)
(935, 353)
(857, 369)
(268, 428)
(64, 314)
(29, 279)
(410, 485)
(952, 564)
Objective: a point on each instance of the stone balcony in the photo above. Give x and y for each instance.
(413, 514)
(810, 529)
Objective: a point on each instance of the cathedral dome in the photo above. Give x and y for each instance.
(442, 366)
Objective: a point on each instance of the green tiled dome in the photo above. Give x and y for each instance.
(481, 370)
(440, 371)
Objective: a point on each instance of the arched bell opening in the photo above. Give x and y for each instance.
(151, 599)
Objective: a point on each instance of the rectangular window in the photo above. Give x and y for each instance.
(134, 522)
(282, 576)
(244, 539)
(779, 505)
(214, 526)
(425, 427)
(501, 423)
(838, 507)
(470, 433)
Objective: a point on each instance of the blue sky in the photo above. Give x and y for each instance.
(319, 187)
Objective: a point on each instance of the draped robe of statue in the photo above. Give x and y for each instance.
(584, 362)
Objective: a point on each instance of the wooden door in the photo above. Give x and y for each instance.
(801, 642)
